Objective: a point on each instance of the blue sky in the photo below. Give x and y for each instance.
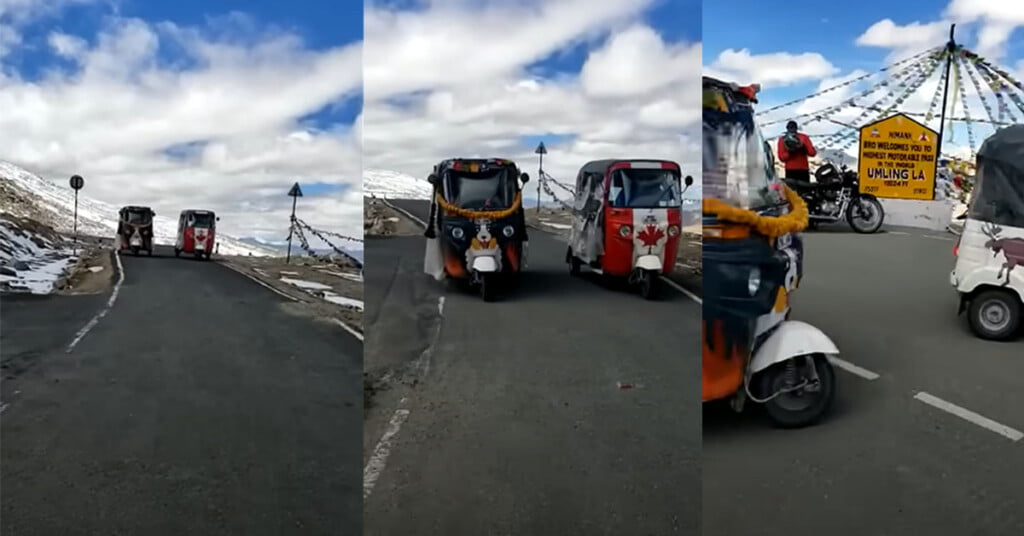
(217, 103)
(831, 29)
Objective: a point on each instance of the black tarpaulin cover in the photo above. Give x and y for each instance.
(998, 195)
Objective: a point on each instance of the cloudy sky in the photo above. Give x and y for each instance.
(615, 78)
(190, 104)
(811, 45)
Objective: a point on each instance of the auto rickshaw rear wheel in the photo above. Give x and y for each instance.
(994, 315)
(798, 408)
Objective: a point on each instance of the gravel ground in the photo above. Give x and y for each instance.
(343, 281)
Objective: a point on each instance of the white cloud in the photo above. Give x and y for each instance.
(773, 69)
(239, 100)
(916, 36)
(458, 78)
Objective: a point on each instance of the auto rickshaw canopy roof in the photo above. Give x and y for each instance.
(999, 195)
(602, 166)
(473, 165)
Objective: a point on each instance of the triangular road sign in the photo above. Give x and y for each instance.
(295, 191)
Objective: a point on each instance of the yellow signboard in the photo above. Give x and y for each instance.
(897, 159)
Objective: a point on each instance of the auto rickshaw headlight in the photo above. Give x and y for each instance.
(508, 231)
(754, 281)
(458, 233)
(624, 231)
(673, 230)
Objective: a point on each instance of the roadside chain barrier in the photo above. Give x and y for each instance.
(297, 230)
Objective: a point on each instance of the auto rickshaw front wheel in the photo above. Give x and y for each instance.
(574, 263)
(801, 407)
(488, 286)
(994, 315)
(648, 282)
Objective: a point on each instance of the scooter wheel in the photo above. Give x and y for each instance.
(800, 408)
(994, 315)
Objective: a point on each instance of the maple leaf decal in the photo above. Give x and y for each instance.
(650, 235)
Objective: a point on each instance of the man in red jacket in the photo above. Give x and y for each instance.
(794, 148)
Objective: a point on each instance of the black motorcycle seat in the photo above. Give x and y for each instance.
(797, 184)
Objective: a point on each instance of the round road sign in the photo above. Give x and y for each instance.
(77, 182)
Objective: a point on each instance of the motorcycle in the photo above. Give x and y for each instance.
(836, 195)
(752, 263)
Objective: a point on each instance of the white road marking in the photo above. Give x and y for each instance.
(3, 407)
(683, 289)
(378, 461)
(406, 213)
(348, 328)
(901, 233)
(853, 369)
(103, 312)
(945, 238)
(696, 243)
(440, 306)
(970, 416)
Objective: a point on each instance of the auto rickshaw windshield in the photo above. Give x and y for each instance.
(201, 220)
(644, 188)
(738, 164)
(139, 217)
(490, 189)
(998, 194)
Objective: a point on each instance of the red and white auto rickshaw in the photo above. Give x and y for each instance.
(196, 233)
(626, 220)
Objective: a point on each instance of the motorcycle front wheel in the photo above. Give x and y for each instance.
(865, 215)
(802, 407)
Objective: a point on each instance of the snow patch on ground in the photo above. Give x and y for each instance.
(31, 261)
(556, 225)
(324, 292)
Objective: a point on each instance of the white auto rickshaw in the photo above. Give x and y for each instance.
(989, 271)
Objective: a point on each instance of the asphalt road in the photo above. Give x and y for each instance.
(884, 463)
(200, 404)
(518, 424)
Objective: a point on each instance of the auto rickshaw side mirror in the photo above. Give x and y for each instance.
(432, 179)
(525, 177)
(688, 181)
(218, 218)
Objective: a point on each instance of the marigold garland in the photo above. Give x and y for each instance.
(771, 226)
(477, 214)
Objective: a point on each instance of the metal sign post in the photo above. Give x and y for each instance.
(950, 50)
(295, 193)
(76, 182)
(541, 150)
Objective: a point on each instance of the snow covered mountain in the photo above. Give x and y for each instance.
(25, 194)
(394, 185)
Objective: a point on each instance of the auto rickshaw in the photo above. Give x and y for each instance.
(989, 271)
(627, 218)
(752, 263)
(477, 228)
(196, 233)
(135, 229)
